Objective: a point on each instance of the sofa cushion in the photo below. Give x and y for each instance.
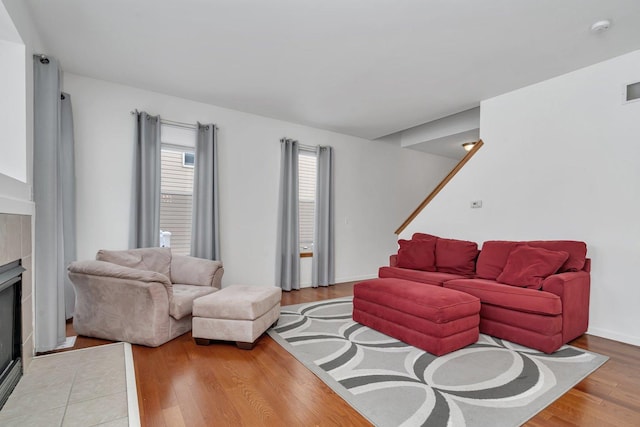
(577, 252)
(150, 259)
(429, 277)
(494, 254)
(456, 256)
(436, 304)
(528, 266)
(417, 254)
(181, 305)
(493, 257)
(238, 302)
(514, 298)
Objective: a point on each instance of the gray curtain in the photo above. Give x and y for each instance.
(323, 265)
(54, 197)
(205, 233)
(288, 251)
(145, 227)
(67, 184)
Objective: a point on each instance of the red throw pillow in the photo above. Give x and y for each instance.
(527, 266)
(423, 236)
(417, 254)
(577, 252)
(456, 256)
(493, 258)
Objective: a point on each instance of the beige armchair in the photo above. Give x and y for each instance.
(142, 296)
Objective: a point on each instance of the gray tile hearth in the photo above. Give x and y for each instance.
(86, 387)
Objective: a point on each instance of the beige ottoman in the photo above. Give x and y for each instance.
(238, 313)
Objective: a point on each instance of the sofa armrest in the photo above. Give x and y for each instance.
(562, 284)
(190, 270)
(573, 288)
(393, 260)
(120, 303)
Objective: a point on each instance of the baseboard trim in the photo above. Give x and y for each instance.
(344, 280)
(356, 278)
(611, 335)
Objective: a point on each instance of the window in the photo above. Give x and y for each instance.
(177, 161)
(306, 198)
(188, 160)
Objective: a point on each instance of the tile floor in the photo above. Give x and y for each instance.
(86, 387)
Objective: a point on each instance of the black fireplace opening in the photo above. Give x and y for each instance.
(10, 328)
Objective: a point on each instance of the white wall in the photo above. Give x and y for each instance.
(13, 125)
(377, 185)
(16, 131)
(13, 141)
(15, 181)
(560, 161)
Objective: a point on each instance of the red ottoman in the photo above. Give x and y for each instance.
(435, 319)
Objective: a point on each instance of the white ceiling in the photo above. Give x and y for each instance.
(361, 67)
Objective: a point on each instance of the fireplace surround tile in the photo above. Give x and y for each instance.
(27, 353)
(15, 244)
(27, 277)
(4, 255)
(14, 237)
(27, 316)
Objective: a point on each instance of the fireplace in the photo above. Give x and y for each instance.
(10, 328)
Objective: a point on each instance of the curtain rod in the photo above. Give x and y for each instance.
(300, 146)
(306, 148)
(178, 124)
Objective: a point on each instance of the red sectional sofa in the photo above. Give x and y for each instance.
(534, 293)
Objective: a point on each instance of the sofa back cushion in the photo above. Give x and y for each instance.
(528, 266)
(188, 270)
(493, 258)
(452, 256)
(417, 254)
(577, 252)
(149, 259)
(456, 256)
(494, 254)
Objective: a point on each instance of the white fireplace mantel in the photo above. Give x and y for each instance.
(15, 196)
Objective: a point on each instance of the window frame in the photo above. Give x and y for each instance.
(184, 158)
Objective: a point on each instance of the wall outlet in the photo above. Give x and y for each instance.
(476, 204)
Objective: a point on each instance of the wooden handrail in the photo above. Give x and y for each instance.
(440, 186)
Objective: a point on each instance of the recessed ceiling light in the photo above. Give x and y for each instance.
(600, 26)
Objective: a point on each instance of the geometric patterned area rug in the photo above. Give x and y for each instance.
(490, 383)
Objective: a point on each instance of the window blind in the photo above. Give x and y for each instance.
(307, 196)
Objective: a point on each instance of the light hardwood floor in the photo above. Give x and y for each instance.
(182, 384)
